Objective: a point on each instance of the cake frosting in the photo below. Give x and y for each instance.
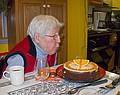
(80, 65)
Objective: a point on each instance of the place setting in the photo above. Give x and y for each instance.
(86, 74)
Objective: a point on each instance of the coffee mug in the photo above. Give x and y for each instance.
(15, 74)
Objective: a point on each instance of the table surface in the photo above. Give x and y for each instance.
(62, 85)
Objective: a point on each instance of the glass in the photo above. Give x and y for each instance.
(41, 71)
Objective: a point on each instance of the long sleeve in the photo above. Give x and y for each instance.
(15, 60)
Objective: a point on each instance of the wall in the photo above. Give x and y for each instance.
(77, 29)
(116, 3)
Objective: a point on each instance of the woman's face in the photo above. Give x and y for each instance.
(50, 42)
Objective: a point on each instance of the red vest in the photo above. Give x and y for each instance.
(27, 50)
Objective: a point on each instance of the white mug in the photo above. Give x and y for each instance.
(16, 75)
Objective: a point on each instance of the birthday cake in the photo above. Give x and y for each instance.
(80, 70)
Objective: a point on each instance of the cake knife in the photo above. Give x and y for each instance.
(74, 90)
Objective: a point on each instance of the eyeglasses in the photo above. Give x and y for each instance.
(53, 36)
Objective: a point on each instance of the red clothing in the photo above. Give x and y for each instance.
(51, 59)
(27, 50)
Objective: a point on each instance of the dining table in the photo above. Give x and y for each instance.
(56, 85)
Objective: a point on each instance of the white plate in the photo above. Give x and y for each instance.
(88, 91)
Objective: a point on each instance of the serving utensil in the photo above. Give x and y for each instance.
(113, 84)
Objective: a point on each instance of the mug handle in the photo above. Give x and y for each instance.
(4, 75)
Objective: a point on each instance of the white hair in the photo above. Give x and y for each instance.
(42, 24)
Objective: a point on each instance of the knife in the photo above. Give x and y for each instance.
(93, 83)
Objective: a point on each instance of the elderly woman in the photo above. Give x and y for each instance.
(42, 41)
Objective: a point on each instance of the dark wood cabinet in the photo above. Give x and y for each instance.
(22, 12)
(117, 56)
(102, 48)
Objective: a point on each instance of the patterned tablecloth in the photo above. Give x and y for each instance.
(52, 86)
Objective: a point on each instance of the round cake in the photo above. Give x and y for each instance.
(80, 70)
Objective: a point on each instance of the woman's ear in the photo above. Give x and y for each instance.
(37, 37)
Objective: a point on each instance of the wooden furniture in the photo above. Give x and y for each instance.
(22, 12)
(102, 48)
(95, 2)
(117, 56)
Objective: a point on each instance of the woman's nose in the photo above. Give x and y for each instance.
(58, 39)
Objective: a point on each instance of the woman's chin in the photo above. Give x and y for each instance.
(56, 49)
(52, 52)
